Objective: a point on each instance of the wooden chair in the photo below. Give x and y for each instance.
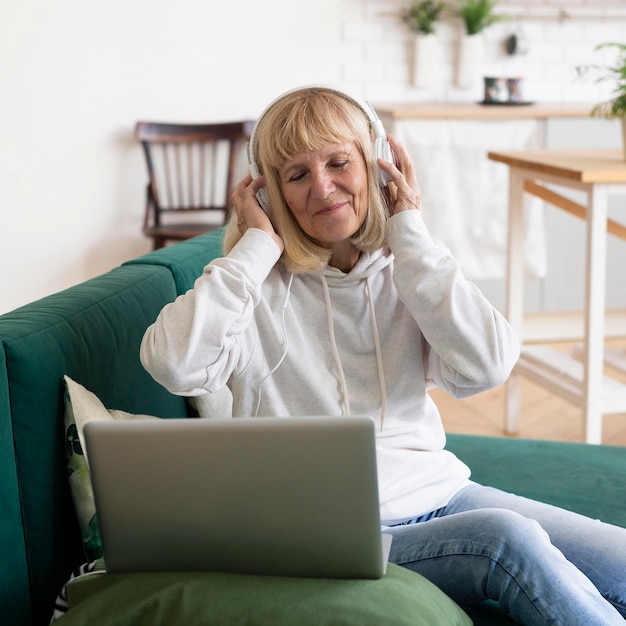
(192, 171)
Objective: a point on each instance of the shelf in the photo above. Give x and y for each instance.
(551, 327)
(475, 111)
(563, 375)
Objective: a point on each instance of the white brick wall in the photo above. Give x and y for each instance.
(377, 50)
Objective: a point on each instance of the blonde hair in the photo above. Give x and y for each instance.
(298, 122)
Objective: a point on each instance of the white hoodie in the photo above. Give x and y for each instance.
(369, 342)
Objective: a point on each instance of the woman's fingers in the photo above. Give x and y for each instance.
(248, 210)
(402, 173)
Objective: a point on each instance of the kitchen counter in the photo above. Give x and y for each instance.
(475, 111)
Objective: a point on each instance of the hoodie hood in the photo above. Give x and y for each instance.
(369, 263)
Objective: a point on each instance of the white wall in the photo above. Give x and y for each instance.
(75, 75)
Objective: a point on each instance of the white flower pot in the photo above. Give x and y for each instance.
(469, 57)
(425, 51)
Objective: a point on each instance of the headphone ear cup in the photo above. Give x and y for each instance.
(382, 150)
(261, 194)
(261, 197)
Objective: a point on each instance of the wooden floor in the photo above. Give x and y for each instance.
(543, 414)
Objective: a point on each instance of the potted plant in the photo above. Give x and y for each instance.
(615, 107)
(421, 17)
(476, 15)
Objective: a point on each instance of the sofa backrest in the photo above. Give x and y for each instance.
(185, 260)
(91, 332)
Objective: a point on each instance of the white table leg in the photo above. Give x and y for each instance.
(515, 290)
(595, 294)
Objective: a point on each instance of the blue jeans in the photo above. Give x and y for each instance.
(527, 556)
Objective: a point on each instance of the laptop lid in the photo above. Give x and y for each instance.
(277, 496)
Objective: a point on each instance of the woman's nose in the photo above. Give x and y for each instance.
(321, 183)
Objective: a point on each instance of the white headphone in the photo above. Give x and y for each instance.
(382, 149)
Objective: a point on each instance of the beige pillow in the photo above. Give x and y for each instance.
(82, 406)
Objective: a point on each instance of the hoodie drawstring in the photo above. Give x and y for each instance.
(379, 356)
(335, 351)
(285, 345)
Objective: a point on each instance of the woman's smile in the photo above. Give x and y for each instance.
(333, 209)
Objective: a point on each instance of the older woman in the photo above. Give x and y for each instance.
(334, 299)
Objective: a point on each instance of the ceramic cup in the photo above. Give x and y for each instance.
(495, 90)
(503, 90)
(514, 89)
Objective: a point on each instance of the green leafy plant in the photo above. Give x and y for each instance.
(423, 15)
(478, 14)
(616, 106)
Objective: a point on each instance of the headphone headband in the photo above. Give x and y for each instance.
(381, 146)
(366, 107)
(382, 150)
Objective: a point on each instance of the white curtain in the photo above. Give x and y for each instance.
(465, 194)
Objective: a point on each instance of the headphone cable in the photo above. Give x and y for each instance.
(285, 345)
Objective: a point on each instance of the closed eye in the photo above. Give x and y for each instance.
(300, 168)
(297, 177)
(335, 165)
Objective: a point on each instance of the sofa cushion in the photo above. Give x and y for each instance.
(580, 477)
(400, 598)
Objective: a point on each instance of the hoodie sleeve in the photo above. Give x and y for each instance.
(470, 345)
(198, 340)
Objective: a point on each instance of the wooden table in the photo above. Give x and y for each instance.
(598, 173)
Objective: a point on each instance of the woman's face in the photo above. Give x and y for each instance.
(326, 191)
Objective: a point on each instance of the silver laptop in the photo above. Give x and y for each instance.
(274, 496)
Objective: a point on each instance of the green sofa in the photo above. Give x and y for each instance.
(91, 332)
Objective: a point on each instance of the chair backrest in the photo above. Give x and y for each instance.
(191, 168)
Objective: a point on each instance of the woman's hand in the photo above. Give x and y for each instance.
(249, 211)
(408, 195)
